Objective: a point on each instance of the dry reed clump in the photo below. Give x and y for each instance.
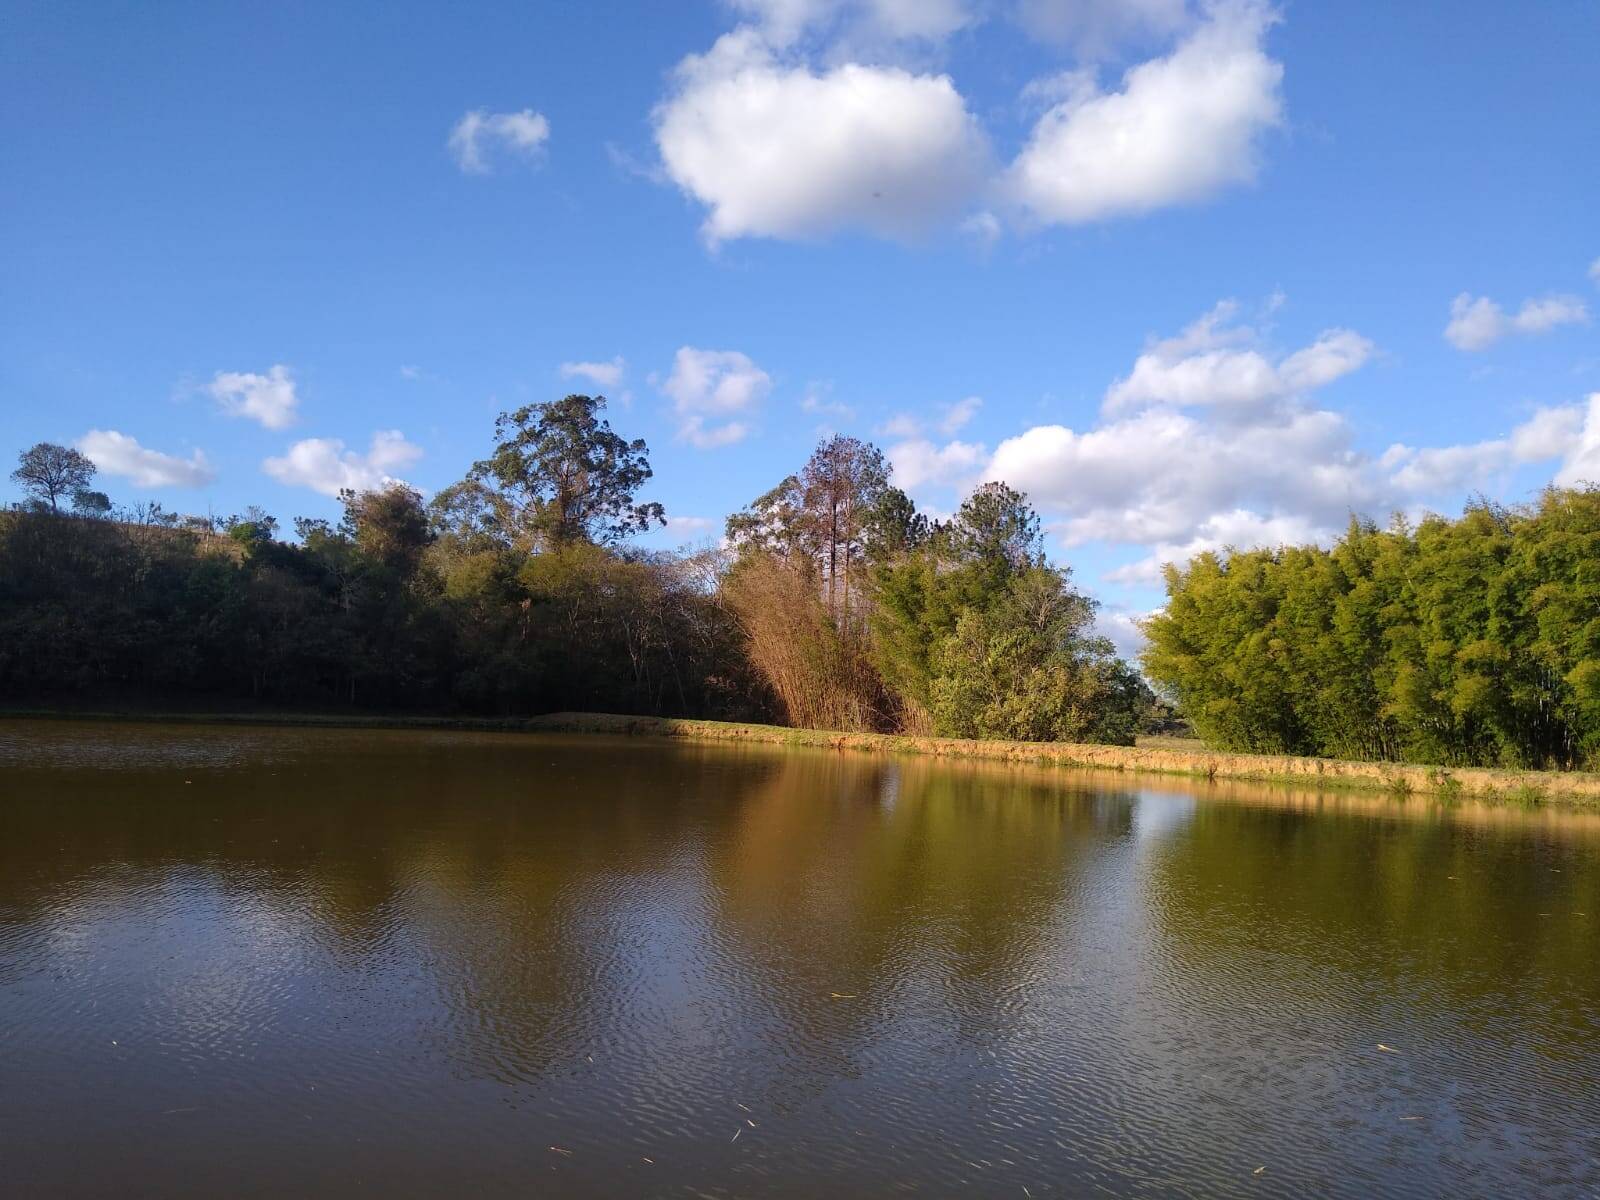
(820, 673)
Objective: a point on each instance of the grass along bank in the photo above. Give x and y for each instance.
(1577, 789)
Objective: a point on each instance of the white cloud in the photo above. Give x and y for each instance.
(1154, 474)
(269, 399)
(1551, 433)
(1121, 626)
(1594, 270)
(1212, 363)
(1476, 324)
(1239, 529)
(1582, 461)
(919, 463)
(1180, 128)
(121, 455)
(690, 527)
(523, 133)
(807, 120)
(1334, 354)
(324, 465)
(775, 149)
(958, 415)
(601, 374)
(1162, 475)
(714, 386)
(1094, 27)
(1215, 443)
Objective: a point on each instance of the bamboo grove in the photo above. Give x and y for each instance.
(1473, 641)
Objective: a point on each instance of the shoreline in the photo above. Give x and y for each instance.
(1574, 789)
(1530, 788)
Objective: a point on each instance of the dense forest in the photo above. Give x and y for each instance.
(1469, 641)
(832, 602)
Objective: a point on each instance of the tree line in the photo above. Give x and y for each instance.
(862, 613)
(832, 602)
(1473, 641)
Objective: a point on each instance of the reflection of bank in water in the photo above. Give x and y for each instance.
(1578, 789)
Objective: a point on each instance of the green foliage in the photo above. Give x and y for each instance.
(89, 503)
(1025, 667)
(501, 596)
(388, 525)
(861, 614)
(1446, 788)
(50, 473)
(894, 527)
(981, 637)
(111, 612)
(559, 476)
(253, 530)
(843, 607)
(1466, 642)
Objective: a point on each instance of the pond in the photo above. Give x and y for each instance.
(254, 961)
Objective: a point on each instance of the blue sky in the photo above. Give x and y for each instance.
(1189, 274)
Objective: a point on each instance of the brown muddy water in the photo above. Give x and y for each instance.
(290, 962)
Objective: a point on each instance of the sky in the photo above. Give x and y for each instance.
(1191, 275)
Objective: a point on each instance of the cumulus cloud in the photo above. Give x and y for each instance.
(1180, 127)
(601, 374)
(1154, 472)
(1582, 456)
(1551, 433)
(269, 399)
(121, 455)
(1213, 363)
(1236, 529)
(773, 148)
(477, 132)
(806, 121)
(1477, 323)
(1161, 475)
(324, 465)
(1214, 441)
(711, 390)
(919, 463)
